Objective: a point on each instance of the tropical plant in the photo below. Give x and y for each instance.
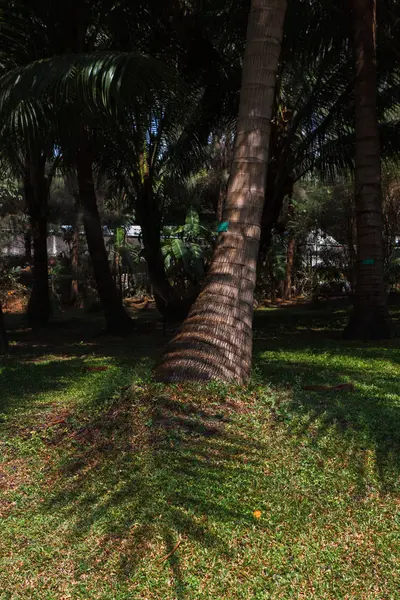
(10, 283)
(126, 259)
(186, 249)
(44, 99)
(313, 122)
(75, 92)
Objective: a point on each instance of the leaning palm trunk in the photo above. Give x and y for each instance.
(215, 341)
(370, 319)
(117, 319)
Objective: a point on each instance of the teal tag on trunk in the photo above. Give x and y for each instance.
(368, 261)
(223, 226)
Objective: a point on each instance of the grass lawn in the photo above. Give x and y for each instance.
(270, 492)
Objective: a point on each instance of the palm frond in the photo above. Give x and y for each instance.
(97, 81)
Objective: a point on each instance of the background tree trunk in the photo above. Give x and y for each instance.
(3, 334)
(370, 319)
(215, 341)
(36, 188)
(75, 261)
(169, 303)
(116, 317)
(28, 245)
(287, 290)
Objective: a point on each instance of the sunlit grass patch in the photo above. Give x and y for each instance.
(113, 487)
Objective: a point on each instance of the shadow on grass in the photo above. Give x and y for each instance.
(148, 472)
(328, 321)
(79, 334)
(368, 417)
(127, 479)
(22, 382)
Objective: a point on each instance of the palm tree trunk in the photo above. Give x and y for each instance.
(287, 290)
(117, 319)
(36, 188)
(215, 341)
(28, 245)
(75, 262)
(3, 334)
(151, 232)
(370, 319)
(169, 303)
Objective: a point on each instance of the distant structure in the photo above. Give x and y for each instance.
(14, 245)
(318, 242)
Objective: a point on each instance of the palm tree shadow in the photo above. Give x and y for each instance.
(368, 416)
(151, 470)
(20, 382)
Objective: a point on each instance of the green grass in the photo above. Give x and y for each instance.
(98, 481)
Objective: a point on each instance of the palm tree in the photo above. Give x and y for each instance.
(313, 124)
(36, 191)
(215, 341)
(370, 319)
(151, 155)
(46, 99)
(313, 117)
(28, 163)
(116, 317)
(31, 167)
(291, 245)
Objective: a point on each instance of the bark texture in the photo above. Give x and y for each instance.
(287, 290)
(287, 287)
(370, 319)
(117, 319)
(3, 334)
(75, 262)
(215, 341)
(36, 189)
(28, 246)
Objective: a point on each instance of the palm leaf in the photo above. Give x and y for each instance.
(97, 83)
